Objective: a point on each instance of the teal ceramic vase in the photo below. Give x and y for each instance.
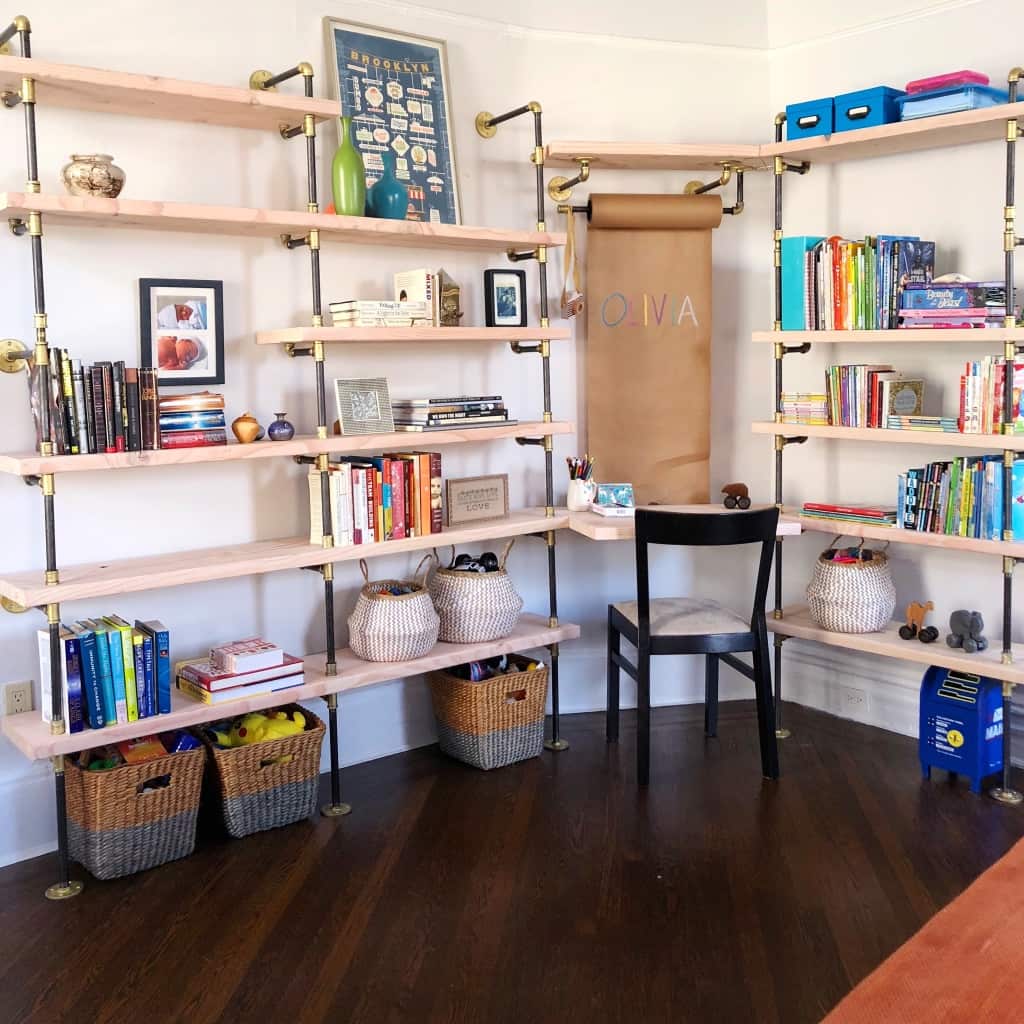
(348, 175)
(388, 197)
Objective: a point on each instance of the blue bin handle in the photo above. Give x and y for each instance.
(808, 121)
(858, 113)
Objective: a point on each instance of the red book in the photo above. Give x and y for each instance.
(194, 438)
(874, 511)
(203, 673)
(396, 470)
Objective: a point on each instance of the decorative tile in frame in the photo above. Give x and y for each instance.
(182, 330)
(364, 406)
(394, 86)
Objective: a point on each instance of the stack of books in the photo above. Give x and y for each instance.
(113, 673)
(242, 668)
(857, 512)
(807, 408)
(387, 497)
(938, 305)
(106, 407)
(867, 396)
(944, 424)
(424, 414)
(379, 313)
(192, 421)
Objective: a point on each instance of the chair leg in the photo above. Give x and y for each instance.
(765, 709)
(614, 674)
(711, 695)
(643, 722)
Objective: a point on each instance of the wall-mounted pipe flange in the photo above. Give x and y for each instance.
(258, 80)
(13, 356)
(484, 128)
(560, 188)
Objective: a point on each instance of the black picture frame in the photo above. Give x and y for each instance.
(200, 332)
(496, 297)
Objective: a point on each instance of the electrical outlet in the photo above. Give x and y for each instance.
(17, 697)
(855, 702)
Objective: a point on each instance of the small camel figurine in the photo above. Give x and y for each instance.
(915, 626)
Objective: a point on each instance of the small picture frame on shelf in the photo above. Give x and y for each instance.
(475, 499)
(364, 406)
(182, 330)
(505, 298)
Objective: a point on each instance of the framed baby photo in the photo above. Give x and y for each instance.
(182, 330)
(505, 298)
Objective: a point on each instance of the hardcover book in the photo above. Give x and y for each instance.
(157, 632)
(149, 399)
(204, 673)
(92, 687)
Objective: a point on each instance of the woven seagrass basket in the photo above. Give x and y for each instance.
(475, 607)
(393, 627)
(135, 816)
(270, 784)
(494, 722)
(852, 597)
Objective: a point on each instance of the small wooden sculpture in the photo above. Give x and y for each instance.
(736, 496)
(914, 626)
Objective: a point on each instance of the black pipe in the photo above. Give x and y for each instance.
(282, 77)
(332, 719)
(62, 830)
(493, 122)
(56, 683)
(329, 616)
(8, 33)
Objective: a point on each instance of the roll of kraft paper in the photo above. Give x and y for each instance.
(648, 356)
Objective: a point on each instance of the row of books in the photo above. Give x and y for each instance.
(106, 407)
(982, 392)
(192, 421)
(953, 304)
(426, 414)
(836, 284)
(241, 668)
(862, 395)
(380, 498)
(112, 672)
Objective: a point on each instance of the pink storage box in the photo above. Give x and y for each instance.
(950, 80)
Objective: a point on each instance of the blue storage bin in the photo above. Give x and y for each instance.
(867, 108)
(814, 117)
(949, 101)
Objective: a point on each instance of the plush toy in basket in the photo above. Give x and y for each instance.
(851, 590)
(476, 601)
(393, 620)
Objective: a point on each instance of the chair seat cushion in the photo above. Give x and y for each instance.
(687, 616)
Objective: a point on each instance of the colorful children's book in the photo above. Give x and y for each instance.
(92, 687)
(161, 662)
(119, 627)
(138, 658)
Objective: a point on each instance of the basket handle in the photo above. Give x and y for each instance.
(153, 783)
(281, 759)
(425, 559)
(514, 696)
(365, 569)
(505, 554)
(860, 546)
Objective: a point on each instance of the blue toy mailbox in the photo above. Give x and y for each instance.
(961, 725)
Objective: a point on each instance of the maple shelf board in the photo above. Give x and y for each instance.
(182, 568)
(991, 336)
(169, 99)
(237, 220)
(796, 621)
(655, 156)
(31, 735)
(959, 129)
(597, 527)
(374, 335)
(897, 536)
(935, 438)
(33, 464)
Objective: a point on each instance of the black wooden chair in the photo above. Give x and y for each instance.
(688, 625)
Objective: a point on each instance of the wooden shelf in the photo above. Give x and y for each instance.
(119, 92)
(181, 568)
(935, 438)
(596, 527)
(991, 336)
(33, 464)
(797, 622)
(375, 335)
(237, 220)
(897, 536)
(968, 126)
(655, 156)
(32, 736)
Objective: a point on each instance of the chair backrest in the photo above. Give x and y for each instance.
(704, 529)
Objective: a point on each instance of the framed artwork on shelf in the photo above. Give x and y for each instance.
(395, 87)
(474, 499)
(364, 406)
(182, 330)
(505, 298)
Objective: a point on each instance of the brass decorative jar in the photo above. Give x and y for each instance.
(93, 174)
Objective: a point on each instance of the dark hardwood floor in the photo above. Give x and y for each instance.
(550, 891)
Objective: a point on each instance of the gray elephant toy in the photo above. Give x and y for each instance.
(965, 630)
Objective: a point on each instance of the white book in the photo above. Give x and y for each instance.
(341, 504)
(45, 679)
(420, 286)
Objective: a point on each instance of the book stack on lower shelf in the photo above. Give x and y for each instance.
(459, 412)
(854, 512)
(242, 668)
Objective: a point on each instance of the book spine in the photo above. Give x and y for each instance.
(139, 661)
(91, 683)
(98, 419)
(423, 498)
(162, 670)
(74, 718)
(106, 677)
(70, 406)
(78, 392)
(396, 469)
(109, 428)
(117, 675)
(131, 690)
(90, 425)
(436, 510)
(58, 422)
(149, 399)
(149, 670)
(120, 434)
(133, 410)
(46, 678)
(193, 438)
(194, 690)
(316, 518)
(192, 420)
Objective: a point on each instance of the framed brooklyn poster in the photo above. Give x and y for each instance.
(395, 88)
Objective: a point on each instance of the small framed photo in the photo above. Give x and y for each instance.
(182, 330)
(364, 406)
(505, 298)
(473, 499)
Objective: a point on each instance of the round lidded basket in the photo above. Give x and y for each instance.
(852, 597)
(475, 607)
(393, 627)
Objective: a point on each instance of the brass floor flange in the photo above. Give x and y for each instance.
(782, 734)
(483, 129)
(556, 745)
(1006, 796)
(335, 810)
(64, 892)
(13, 356)
(258, 78)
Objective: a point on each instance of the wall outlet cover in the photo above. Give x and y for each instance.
(854, 700)
(17, 698)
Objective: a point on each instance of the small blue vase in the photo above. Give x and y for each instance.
(388, 198)
(280, 429)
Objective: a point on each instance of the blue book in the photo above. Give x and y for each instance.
(997, 505)
(73, 681)
(91, 686)
(1017, 523)
(139, 655)
(794, 280)
(161, 662)
(901, 499)
(204, 420)
(106, 676)
(116, 650)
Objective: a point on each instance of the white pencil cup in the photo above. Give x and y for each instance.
(581, 494)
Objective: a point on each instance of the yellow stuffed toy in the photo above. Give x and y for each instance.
(256, 727)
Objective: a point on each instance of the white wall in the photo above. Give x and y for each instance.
(598, 86)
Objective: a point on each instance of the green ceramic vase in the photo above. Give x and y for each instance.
(348, 175)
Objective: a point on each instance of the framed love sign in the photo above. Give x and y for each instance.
(475, 499)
